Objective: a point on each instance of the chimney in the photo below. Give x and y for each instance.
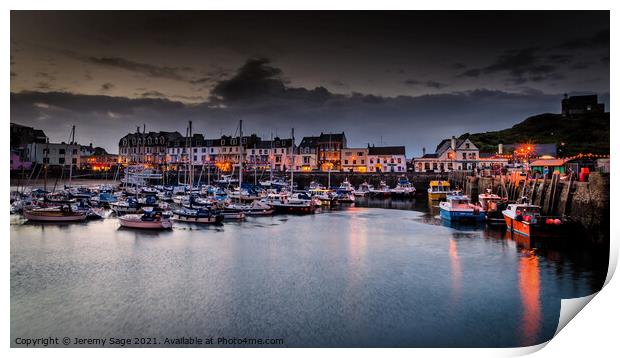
(500, 148)
(453, 143)
(423, 151)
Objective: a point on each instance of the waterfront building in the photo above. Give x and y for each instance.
(99, 161)
(355, 160)
(450, 154)
(329, 146)
(17, 163)
(54, 153)
(21, 137)
(307, 154)
(150, 149)
(387, 159)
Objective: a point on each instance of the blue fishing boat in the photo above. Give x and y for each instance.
(460, 208)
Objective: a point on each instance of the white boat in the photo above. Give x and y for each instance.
(149, 220)
(403, 188)
(297, 203)
(363, 190)
(382, 191)
(54, 214)
(257, 208)
(129, 206)
(345, 186)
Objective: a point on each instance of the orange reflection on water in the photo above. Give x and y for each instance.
(529, 288)
(455, 263)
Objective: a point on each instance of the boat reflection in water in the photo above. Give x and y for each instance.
(529, 289)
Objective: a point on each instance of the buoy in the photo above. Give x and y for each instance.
(557, 221)
(549, 221)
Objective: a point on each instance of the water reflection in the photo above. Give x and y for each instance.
(529, 289)
(455, 264)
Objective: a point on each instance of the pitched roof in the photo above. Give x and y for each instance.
(395, 150)
(431, 155)
(309, 142)
(331, 137)
(548, 163)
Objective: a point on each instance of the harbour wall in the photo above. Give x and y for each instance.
(585, 203)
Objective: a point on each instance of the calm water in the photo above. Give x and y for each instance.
(353, 277)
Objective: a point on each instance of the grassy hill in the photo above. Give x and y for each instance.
(582, 134)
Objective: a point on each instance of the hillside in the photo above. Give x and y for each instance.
(582, 134)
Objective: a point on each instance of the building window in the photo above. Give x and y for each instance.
(74, 160)
(464, 155)
(363, 161)
(61, 151)
(61, 160)
(346, 161)
(467, 145)
(399, 160)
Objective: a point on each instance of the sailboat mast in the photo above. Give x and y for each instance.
(191, 160)
(240, 156)
(270, 161)
(71, 155)
(292, 149)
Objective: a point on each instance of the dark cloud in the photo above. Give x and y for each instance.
(153, 94)
(107, 86)
(581, 65)
(560, 58)
(458, 66)
(474, 72)
(428, 84)
(45, 75)
(256, 78)
(174, 73)
(598, 40)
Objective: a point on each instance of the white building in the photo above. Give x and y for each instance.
(53, 153)
(387, 159)
(456, 154)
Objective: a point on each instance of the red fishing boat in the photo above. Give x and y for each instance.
(526, 220)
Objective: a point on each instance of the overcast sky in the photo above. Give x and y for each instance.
(391, 78)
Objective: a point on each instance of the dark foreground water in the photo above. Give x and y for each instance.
(346, 278)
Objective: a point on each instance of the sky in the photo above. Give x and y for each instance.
(385, 78)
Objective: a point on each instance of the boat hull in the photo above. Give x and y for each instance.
(215, 219)
(294, 209)
(54, 218)
(436, 196)
(461, 215)
(150, 225)
(529, 230)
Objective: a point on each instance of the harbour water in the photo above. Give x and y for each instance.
(365, 276)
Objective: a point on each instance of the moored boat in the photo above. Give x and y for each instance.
(199, 216)
(363, 190)
(526, 220)
(460, 208)
(403, 189)
(153, 220)
(298, 203)
(438, 189)
(62, 213)
(382, 191)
